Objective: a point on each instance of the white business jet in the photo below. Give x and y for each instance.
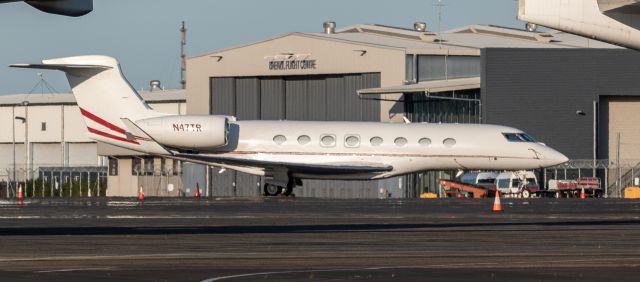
(287, 151)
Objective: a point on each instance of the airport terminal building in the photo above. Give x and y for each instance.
(543, 83)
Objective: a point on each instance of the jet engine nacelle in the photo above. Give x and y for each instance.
(73, 8)
(188, 132)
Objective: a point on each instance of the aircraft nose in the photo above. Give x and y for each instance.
(553, 158)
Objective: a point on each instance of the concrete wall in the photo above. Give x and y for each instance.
(124, 184)
(540, 90)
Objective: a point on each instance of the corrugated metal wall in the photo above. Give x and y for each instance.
(314, 98)
(540, 90)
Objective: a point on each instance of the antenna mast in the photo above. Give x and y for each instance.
(183, 58)
(440, 5)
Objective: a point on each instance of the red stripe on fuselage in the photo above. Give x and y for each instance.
(102, 122)
(104, 134)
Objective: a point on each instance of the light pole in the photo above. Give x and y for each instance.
(13, 130)
(25, 120)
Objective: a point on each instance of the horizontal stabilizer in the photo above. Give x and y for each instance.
(58, 66)
(147, 143)
(619, 6)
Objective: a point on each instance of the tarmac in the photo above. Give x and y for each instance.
(301, 239)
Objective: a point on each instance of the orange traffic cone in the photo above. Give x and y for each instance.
(197, 194)
(141, 194)
(583, 195)
(497, 206)
(20, 195)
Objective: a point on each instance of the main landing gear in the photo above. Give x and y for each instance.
(273, 190)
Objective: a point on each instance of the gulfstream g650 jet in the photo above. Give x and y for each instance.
(287, 151)
(612, 21)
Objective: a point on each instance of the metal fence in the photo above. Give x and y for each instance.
(615, 175)
(166, 181)
(60, 182)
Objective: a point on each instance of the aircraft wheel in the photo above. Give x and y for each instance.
(526, 193)
(272, 190)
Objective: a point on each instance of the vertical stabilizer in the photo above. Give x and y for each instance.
(104, 97)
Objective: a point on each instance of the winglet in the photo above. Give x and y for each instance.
(147, 143)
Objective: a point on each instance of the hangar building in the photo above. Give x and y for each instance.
(56, 141)
(535, 81)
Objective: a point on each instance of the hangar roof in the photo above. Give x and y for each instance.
(165, 96)
(468, 38)
(472, 36)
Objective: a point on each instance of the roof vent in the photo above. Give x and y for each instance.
(329, 27)
(420, 26)
(155, 85)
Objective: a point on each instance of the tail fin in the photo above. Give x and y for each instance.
(103, 95)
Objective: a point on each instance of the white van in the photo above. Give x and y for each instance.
(480, 179)
(509, 183)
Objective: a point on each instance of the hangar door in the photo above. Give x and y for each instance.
(306, 98)
(621, 116)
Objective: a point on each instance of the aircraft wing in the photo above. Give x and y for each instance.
(320, 169)
(619, 6)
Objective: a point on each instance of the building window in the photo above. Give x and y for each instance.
(43, 126)
(431, 67)
(376, 141)
(436, 67)
(279, 139)
(148, 165)
(352, 141)
(328, 140)
(400, 141)
(176, 167)
(463, 66)
(113, 167)
(136, 166)
(163, 166)
(410, 68)
(304, 140)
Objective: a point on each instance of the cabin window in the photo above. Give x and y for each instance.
(400, 141)
(304, 139)
(425, 142)
(279, 139)
(352, 141)
(328, 140)
(449, 142)
(43, 126)
(376, 141)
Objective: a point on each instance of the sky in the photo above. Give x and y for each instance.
(144, 34)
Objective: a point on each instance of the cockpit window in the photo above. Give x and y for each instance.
(519, 137)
